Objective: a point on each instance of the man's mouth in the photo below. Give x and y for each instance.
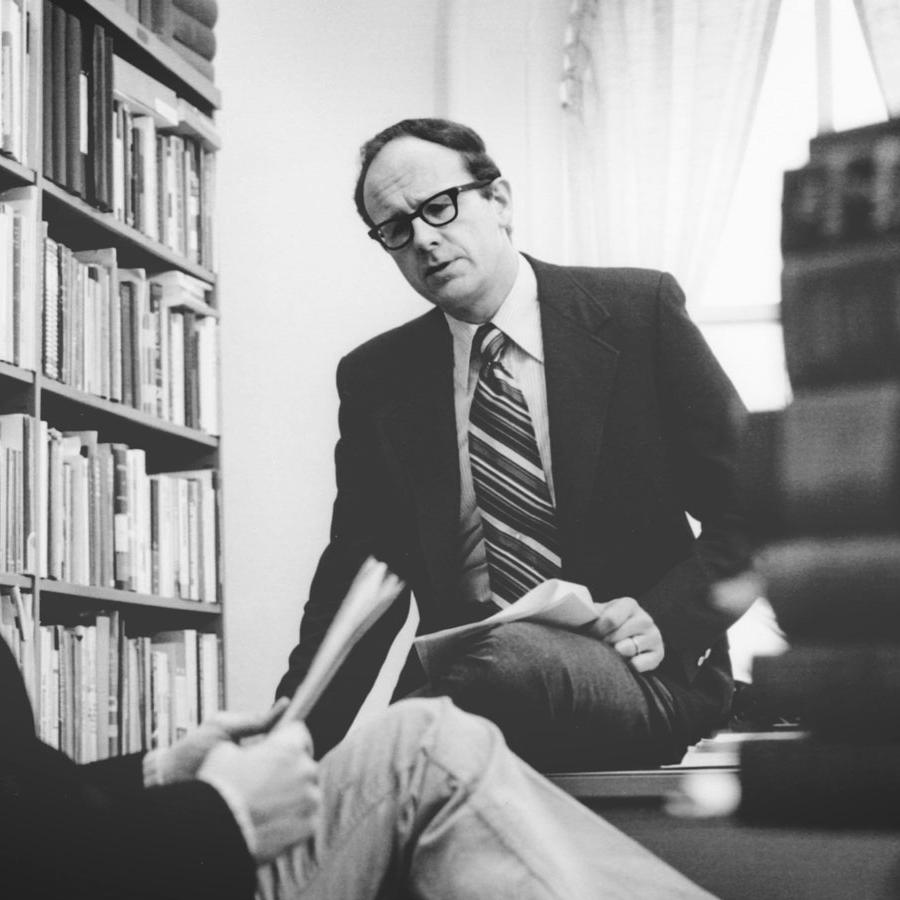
(437, 268)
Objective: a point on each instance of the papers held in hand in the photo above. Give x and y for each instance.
(373, 590)
(555, 602)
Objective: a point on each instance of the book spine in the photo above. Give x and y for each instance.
(47, 97)
(839, 691)
(806, 782)
(193, 33)
(193, 58)
(841, 321)
(847, 194)
(76, 104)
(829, 463)
(819, 587)
(204, 11)
(60, 172)
(121, 531)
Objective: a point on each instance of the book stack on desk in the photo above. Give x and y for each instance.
(822, 488)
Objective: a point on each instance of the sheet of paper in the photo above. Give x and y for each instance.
(555, 602)
(373, 590)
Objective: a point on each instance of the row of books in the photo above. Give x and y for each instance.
(101, 518)
(15, 68)
(150, 342)
(122, 140)
(108, 523)
(77, 103)
(18, 276)
(162, 185)
(103, 693)
(849, 190)
(164, 164)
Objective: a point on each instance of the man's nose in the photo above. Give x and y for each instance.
(424, 235)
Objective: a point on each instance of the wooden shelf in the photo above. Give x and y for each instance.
(14, 373)
(98, 595)
(14, 174)
(16, 389)
(169, 445)
(82, 227)
(9, 579)
(160, 53)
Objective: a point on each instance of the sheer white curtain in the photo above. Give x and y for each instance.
(660, 97)
(880, 20)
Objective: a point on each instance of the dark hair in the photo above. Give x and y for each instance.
(439, 131)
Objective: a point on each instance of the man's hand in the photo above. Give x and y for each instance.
(276, 781)
(630, 631)
(181, 761)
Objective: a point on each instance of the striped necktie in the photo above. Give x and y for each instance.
(517, 514)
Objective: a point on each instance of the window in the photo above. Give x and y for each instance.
(738, 308)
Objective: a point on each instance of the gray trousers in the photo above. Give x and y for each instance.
(564, 700)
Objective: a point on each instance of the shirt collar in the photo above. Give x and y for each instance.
(518, 317)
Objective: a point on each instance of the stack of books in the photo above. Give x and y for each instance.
(823, 494)
(185, 25)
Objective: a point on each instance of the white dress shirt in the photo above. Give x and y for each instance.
(519, 319)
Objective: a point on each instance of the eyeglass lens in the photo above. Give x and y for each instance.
(439, 210)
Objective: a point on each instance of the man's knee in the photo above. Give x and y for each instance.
(409, 725)
(510, 666)
(436, 728)
(525, 674)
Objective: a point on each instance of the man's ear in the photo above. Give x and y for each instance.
(501, 197)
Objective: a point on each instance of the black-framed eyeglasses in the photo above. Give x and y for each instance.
(439, 209)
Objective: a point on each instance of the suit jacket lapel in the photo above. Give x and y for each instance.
(422, 429)
(421, 425)
(579, 369)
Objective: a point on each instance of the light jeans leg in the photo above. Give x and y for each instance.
(429, 800)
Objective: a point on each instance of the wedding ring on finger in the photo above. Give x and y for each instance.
(635, 645)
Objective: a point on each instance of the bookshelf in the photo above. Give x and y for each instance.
(110, 500)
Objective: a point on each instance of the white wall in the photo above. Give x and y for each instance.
(304, 84)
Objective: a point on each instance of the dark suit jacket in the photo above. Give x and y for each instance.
(93, 831)
(643, 427)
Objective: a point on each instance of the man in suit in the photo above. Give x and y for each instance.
(630, 423)
(426, 799)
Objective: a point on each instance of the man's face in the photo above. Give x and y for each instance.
(466, 267)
